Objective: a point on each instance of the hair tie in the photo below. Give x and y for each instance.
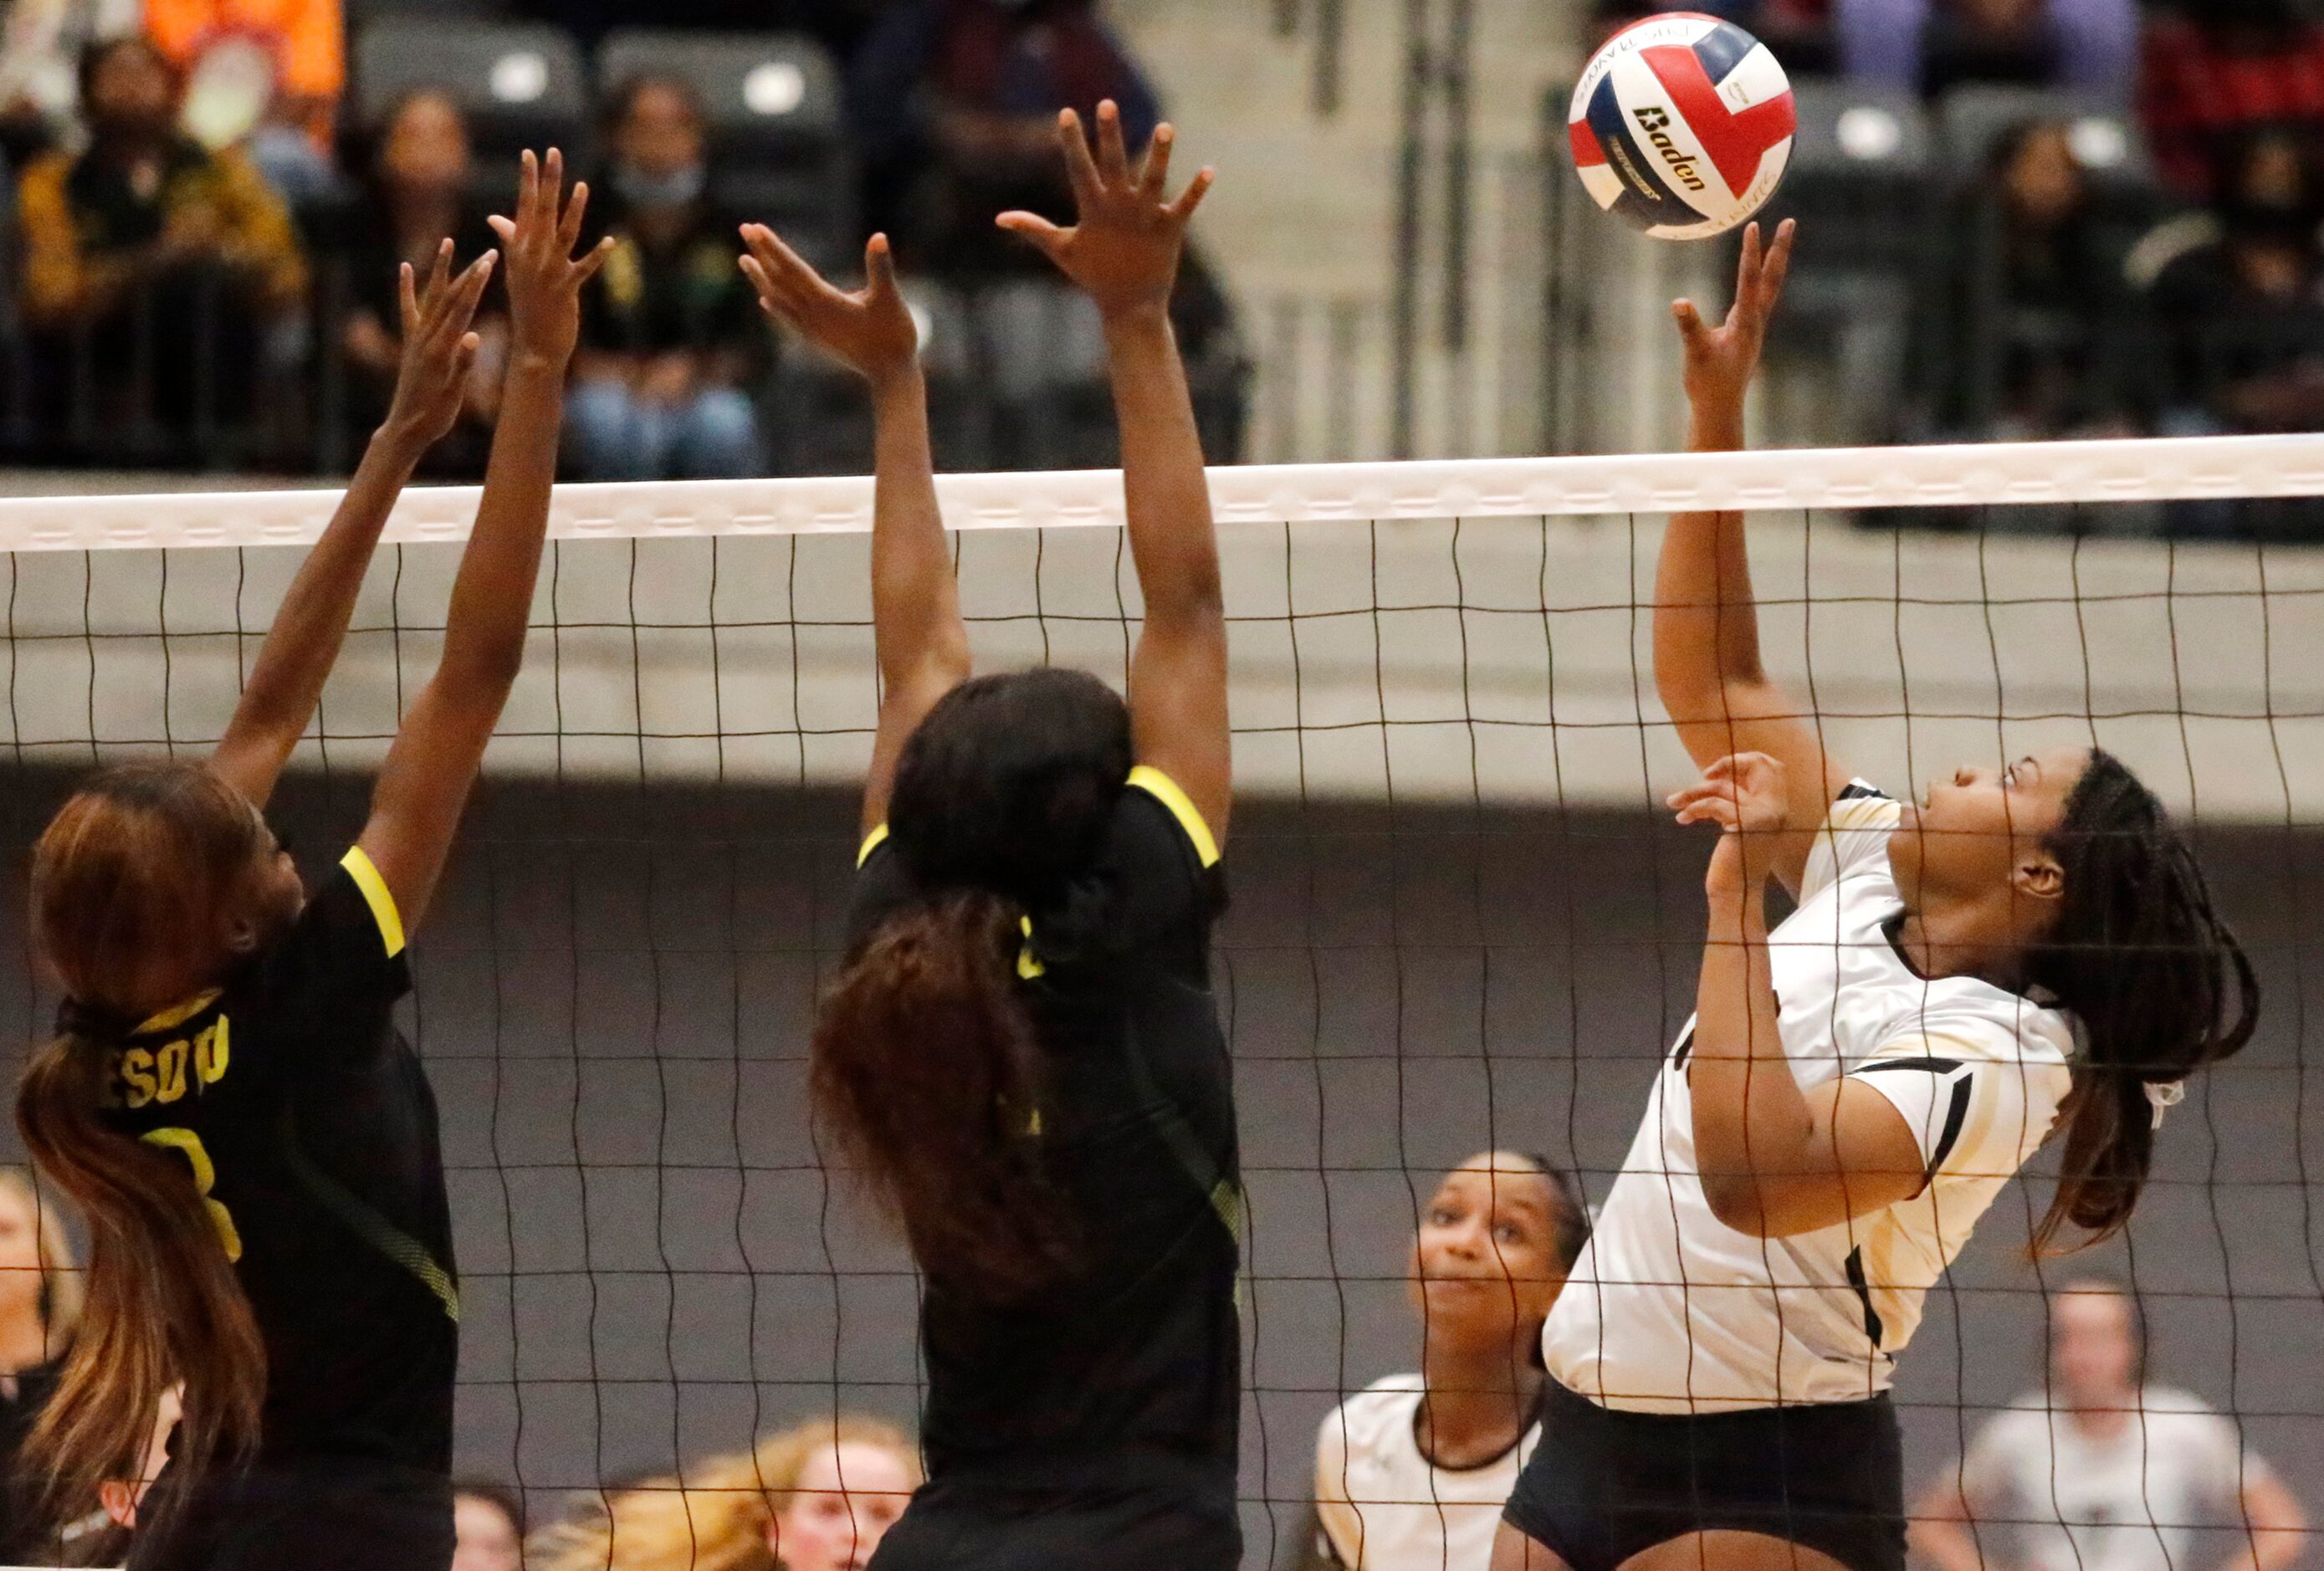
(2163, 1095)
(92, 1022)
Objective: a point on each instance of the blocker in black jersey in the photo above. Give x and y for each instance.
(1097, 1424)
(309, 1128)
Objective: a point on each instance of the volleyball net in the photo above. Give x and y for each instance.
(1461, 921)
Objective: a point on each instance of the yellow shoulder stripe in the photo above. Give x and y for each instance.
(178, 1014)
(375, 895)
(870, 844)
(1164, 790)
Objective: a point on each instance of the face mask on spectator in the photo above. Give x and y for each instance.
(639, 188)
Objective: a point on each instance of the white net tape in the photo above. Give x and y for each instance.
(2004, 475)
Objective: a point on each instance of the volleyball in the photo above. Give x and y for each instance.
(1683, 125)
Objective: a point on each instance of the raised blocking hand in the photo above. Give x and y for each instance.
(871, 331)
(544, 277)
(1126, 242)
(439, 351)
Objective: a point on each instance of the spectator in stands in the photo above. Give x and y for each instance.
(1411, 1474)
(817, 1497)
(1930, 45)
(40, 1306)
(2030, 335)
(2219, 71)
(146, 228)
(269, 69)
(488, 1524)
(671, 335)
(418, 196)
(955, 105)
(2102, 1470)
(2246, 312)
(41, 45)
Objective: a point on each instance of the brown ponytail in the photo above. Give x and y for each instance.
(163, 1303)
(136, 884)
(928, 1073)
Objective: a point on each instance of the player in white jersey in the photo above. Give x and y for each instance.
(2028, 949)
(1411, 1473)
(2104, 1470)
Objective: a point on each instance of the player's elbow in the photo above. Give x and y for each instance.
(1739, 1203)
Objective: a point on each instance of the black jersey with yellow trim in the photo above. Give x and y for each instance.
(309, 1127)
(1139, 1350)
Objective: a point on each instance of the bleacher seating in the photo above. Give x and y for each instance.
(519, 86)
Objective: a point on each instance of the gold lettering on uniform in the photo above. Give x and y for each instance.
(137, 1074)
(188, 1144)
(211, 1053)
(169, 1069)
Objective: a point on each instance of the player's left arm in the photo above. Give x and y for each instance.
(1774, 1160)
(310, 627)
(2274, 1523)
(1124, 250)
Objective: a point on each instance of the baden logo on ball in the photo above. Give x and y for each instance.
(1683, 125)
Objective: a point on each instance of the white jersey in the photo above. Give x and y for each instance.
(2128, 1503)
(1669, 1310)
(1384, 1507)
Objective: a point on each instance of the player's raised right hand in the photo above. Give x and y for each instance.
(871, 331)
(543, 276)
(1721, 361)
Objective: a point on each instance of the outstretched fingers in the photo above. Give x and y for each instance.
(1031, 227)
(1154, 178)
(1183, 209)
(1081, 169)
(1112, 152)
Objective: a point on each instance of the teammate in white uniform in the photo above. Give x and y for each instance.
(2030, 946)
(2103, 1471)
(1411, 1474)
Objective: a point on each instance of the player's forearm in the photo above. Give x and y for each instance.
(491, 596)
(915, 601)
(286, 681)
(1706, 616)
(1172, 537)
(1752, 1124)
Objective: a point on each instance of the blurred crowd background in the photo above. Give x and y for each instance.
(2031, 219)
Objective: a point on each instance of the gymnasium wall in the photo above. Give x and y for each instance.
(615, 996)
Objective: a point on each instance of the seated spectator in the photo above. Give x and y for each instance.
(2103, 1471)
(1411, 1474)
(817, 1497)
(39, 1308)
(416, 197)
(2219, 71)
(271, 69)
(2246, 312)
(41, 45)
(1932, 45)
(671, 338)
(145, 229)
(2029, 337)
(954, 104)
(488, 1527)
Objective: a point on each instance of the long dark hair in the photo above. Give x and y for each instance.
(2153, 973)
(130, 884)
(927, 1066)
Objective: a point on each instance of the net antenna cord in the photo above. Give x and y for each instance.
(1838, 479)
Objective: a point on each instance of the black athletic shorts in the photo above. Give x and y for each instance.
(1603, 1486)
(1068, 1517)
(341, 1515)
